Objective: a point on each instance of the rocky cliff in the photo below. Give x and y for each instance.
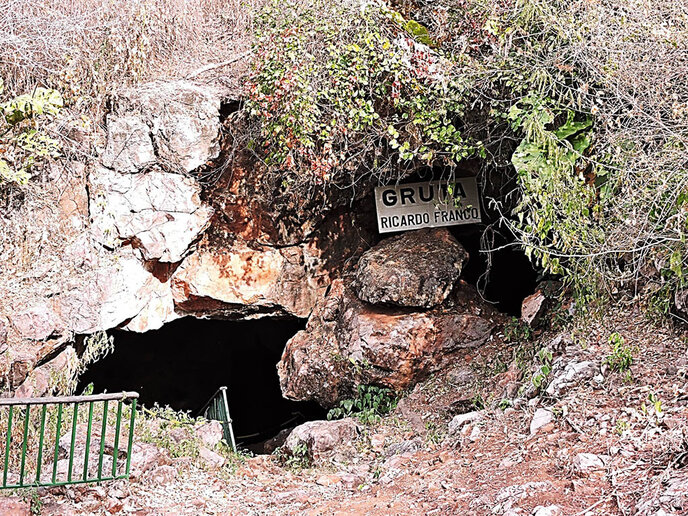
(165, 221)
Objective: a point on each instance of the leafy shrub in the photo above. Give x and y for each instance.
(23, 140)
(369, 405)
(621, 357)
(570, 104)
(344, 90)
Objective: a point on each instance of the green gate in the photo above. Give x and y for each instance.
(38, 453)
(217, 409)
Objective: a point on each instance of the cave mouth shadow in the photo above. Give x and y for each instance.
(510, 277)
(183, 363)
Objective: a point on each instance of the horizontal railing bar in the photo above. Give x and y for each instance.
(69, 399)
(50, 484)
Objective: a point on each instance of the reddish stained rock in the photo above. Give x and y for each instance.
(347, 343)
(415, 269)
(532, 307)
(230, 277)
(14, 506)
(242, 279)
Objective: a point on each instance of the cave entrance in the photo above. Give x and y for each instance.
(186, 361)
(504, 277)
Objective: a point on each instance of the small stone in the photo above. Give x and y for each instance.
(532, 307)
(163, 474)
(586, 463)
(210, 433)
(328, 480)
(550, 510)
(541, 418)
(212, 459)
(377, 442)
(459, 421)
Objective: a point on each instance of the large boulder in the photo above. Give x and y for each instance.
(160, 212)
(175, 124)
(347, 343)
(229, 277)
(322, 439)
(416, 269)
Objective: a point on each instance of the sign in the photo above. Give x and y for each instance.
(427, 205)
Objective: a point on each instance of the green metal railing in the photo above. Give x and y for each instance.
(217, 409)
(33, 429)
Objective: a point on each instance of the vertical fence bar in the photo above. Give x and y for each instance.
(115, 453)
(39, 461)
(38, 454)
(57, 441)
(131, 435)
(7, 446)
(88, 440)
(228, 419)
(102, 440)
(25, 438)
(71, 447)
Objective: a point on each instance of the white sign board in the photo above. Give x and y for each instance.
(427, 205)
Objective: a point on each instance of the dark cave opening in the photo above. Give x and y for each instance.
(186, 361)
(510, 277)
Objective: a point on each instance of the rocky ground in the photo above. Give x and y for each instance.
(591, 440)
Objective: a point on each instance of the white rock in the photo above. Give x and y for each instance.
(572, 374)
(550, 510)
(212, 459)
(459, 421)
(585, 463)
(541, 418)
(161, 211)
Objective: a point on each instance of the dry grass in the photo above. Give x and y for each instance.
(88, 47)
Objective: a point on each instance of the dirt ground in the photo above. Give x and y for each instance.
(630, 429)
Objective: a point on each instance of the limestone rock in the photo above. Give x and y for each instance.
(145, 457)
(415, 269)
(15, 506)
(541, 419)
(229, 277)
(176, 124)
(322, 438)
(460, 420)
(586, 463)
(163, 474)
(569, 375)
(129, 146)
(39, 382)
(347, 343)
(210, 458)
(210, 433)
(532, 307)
(37, 322)
(160, 212)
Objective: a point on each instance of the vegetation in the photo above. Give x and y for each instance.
(570, 105)
(23, 140)
(368, 406)
(621, 357)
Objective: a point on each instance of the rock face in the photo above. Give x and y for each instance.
(175, 124)
(347, 342)
(415, 269)
(230, 277)
(159, 212)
